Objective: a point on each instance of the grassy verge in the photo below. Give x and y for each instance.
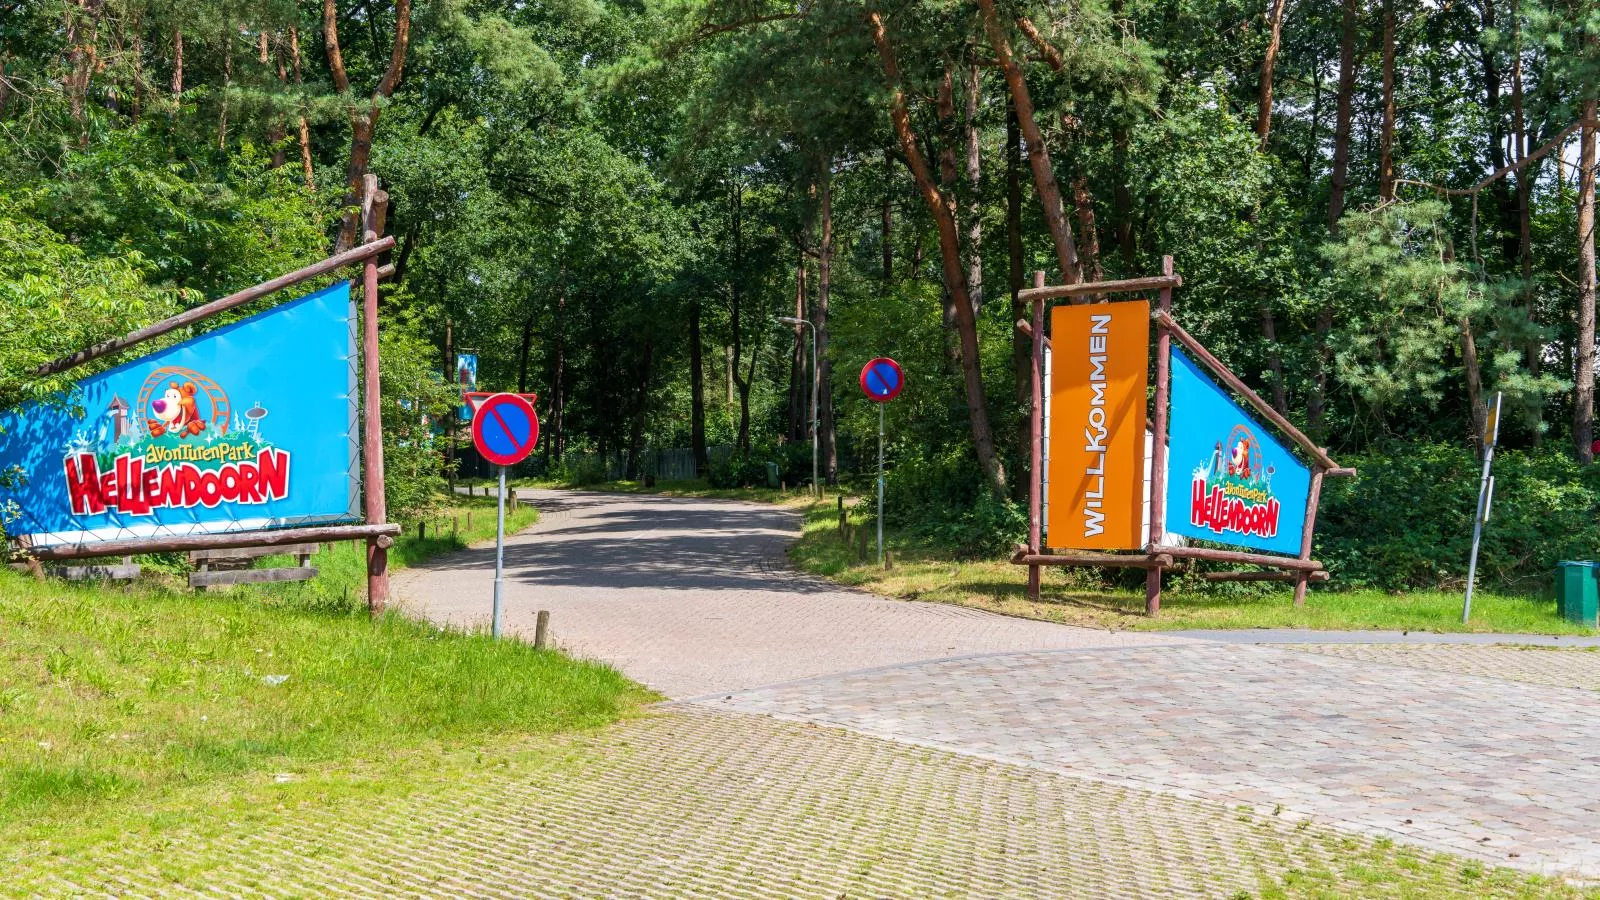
(926, 573)
(114, 697)
(923, 572)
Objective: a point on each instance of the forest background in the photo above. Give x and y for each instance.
(1383, 213)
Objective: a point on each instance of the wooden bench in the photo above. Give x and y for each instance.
(217, 568)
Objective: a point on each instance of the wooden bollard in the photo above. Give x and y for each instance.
(541, 630)
(422, 531)
(888, 560)
(455, 526)
(469, 520)
(844, 524)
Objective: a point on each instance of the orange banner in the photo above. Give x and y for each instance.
(1099, 369)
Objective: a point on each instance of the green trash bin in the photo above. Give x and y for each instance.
(1578, 591)
(772, 474)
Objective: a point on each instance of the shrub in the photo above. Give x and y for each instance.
(1405, 520)
(738, 470)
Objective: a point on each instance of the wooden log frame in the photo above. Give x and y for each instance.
(378, 533)
(1156, 557)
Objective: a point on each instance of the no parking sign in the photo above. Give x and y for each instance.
(505, 430)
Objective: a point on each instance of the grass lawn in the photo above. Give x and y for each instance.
(922, 572)
(112, 698)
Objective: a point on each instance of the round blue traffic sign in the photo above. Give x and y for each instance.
(881, 379)
(505, 429)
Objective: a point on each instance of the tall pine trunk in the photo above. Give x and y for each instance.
(1386, 176)
(1268, 64)
(1583, 391)
(1316, 407)
(829, 448)
(697, 392)
(942, 208)
(1044, 176)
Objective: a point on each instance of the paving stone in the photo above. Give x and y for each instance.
(702, 804)
(696, 596)
(1365, 747)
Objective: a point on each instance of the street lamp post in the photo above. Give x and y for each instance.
(816, 425)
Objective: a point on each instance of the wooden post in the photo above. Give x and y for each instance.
(1158, 450)
(455, 526)
(1303, 577)
(372, 440)
(541, 630)
(1036, 468)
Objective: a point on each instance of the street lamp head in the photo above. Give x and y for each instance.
(791, 320)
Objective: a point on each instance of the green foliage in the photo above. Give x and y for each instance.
(738, 469)
(415, 401)
(1405, 521)
(55, 299)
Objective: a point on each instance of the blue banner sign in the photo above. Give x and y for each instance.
(1243, 487)
(467, 380)
(250, 426)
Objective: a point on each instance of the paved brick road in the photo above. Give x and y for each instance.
(693, 598)
(1498, 769)
(696, 596)
(700, 804)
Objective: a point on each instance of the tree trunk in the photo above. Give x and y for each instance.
(177, 69)
(827, 436)
(1583, 391)
(276, 129)
(1386, 176)
(697, 393)
(558, 383)
(640, 407)
(1474, 375)
(1044, 176)
(363, 122)
(1269, 324)
(942, 207)
(799, 396)
(1346, 114)
(1084, 201)
(227, 82)
(305, 128)
(1268, 63)
(736, 319)
(523, 352)
(1021, 344)
(888, 217)
(1122, 199)
(946, 105)
(1316, 406)
(974, 191)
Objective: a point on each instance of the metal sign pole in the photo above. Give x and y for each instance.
(499, 552)
(880, 485)
(1485, 497)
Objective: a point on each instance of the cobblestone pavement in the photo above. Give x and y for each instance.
(1492, 768)
(696, 596)
(1557, 668)
(717, 805)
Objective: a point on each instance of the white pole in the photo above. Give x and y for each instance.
(1485, 489)
(880, 485)
(816, 416)
(499, 552)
